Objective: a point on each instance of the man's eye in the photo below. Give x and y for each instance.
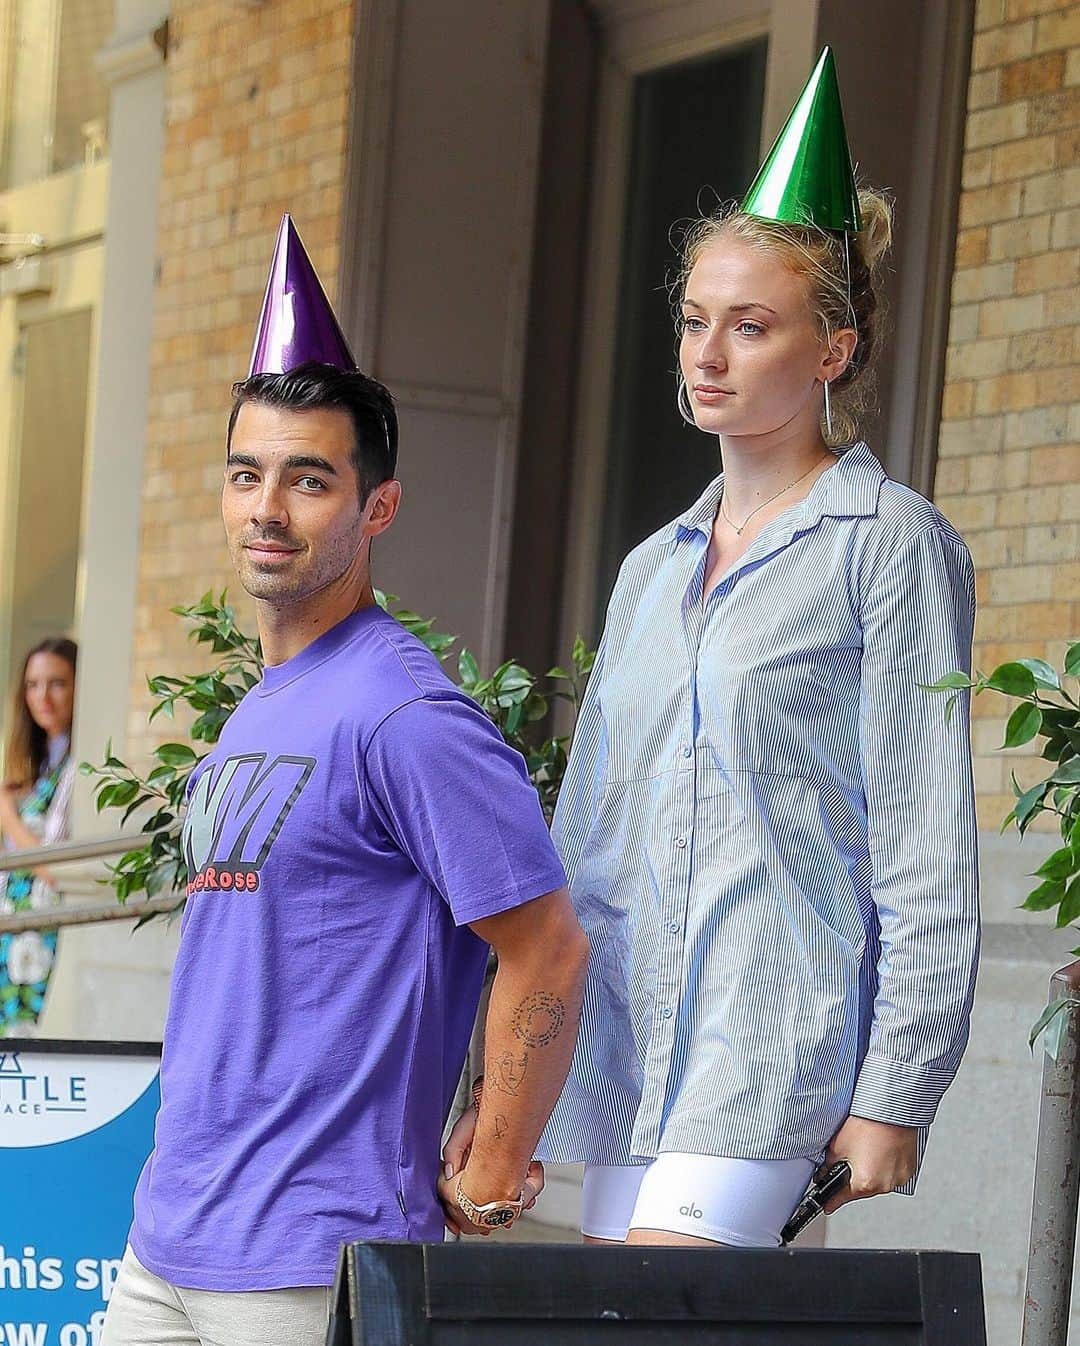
(243, 478)
(312, 483)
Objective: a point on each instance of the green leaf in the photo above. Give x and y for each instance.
(1045, 896)
(1013, 679)
(1057, 866)
(950, 680)
(1049, 1014)
(136, 803)
(124, 792)
(104, 797)
(513, 678)
(1045, 674)
(175, 754)
(1072, 660)
(557, 672)
(1028, 801)
(468, 669)
(1024, 723)
(1068, 773)
(1069, 910)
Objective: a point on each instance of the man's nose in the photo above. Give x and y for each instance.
(268, 507)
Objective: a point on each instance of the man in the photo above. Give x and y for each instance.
(355, 841)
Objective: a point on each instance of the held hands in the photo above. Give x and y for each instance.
(882, 1158)
(455, 1158)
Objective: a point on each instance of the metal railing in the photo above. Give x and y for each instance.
(1048, 1293)
(72, 852)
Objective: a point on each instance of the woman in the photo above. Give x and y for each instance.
(34, 804)
(767, 824)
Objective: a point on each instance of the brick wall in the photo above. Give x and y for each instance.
(256, 114)
(1009, 467)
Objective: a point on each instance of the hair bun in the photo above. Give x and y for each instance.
(874, 239)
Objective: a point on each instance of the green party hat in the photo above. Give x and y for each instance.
(806, 177)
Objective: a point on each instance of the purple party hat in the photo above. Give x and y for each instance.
(297, 323)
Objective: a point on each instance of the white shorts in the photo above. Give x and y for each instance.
(740, 1202)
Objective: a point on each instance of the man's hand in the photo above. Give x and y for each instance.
(882, 1158)
(529, 1036)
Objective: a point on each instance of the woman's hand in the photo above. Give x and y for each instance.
(455, 1157)
(882, 1158)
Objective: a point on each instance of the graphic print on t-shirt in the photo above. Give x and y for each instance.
(235, 812)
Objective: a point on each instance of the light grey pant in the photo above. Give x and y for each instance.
(144, 1310)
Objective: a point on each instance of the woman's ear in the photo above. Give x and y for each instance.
(838, 355)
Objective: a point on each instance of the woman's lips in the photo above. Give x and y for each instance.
(705, 393)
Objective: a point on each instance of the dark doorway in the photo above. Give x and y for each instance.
(695, 142)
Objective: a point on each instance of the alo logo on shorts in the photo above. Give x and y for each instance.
(235, 812)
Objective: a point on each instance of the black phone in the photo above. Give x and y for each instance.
(823, 1188)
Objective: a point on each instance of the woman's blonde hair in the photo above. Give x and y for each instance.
(822, 257)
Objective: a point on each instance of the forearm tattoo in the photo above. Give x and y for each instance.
(510, 1070)
(502, 1126)
(539, 1019)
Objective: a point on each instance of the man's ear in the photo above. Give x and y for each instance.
(382, 507)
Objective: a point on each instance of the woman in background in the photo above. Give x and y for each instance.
(34, 806)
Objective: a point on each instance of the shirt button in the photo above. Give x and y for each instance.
(680, 842)
(674, 927)
(687, 751)
(666, 1012)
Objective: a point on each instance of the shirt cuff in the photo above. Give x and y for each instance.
(898, 1093)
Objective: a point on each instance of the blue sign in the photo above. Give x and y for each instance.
(76, 1125)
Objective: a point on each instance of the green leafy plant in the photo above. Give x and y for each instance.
(515, 699)
(1045, 709)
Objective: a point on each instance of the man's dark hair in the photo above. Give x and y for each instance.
(313, 386)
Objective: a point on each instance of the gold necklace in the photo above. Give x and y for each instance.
(757, 509)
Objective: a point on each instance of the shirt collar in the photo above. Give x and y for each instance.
(849, 489)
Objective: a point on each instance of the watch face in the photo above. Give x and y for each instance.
(496, 1219)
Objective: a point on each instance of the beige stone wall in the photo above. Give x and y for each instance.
(256, 114)
(1009, 467)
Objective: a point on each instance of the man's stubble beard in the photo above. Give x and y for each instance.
(283, 589)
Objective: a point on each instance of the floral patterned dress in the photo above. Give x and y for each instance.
(26, 958)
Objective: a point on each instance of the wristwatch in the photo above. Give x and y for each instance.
(491, 1215)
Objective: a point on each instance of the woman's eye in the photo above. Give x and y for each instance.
(693, 325)
(748, 328)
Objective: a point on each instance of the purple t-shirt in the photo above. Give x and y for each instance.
(357, 812)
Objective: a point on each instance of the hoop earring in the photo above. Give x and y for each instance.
(828, 410)
(682, 402)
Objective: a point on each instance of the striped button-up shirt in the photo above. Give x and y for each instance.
(769, 830)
